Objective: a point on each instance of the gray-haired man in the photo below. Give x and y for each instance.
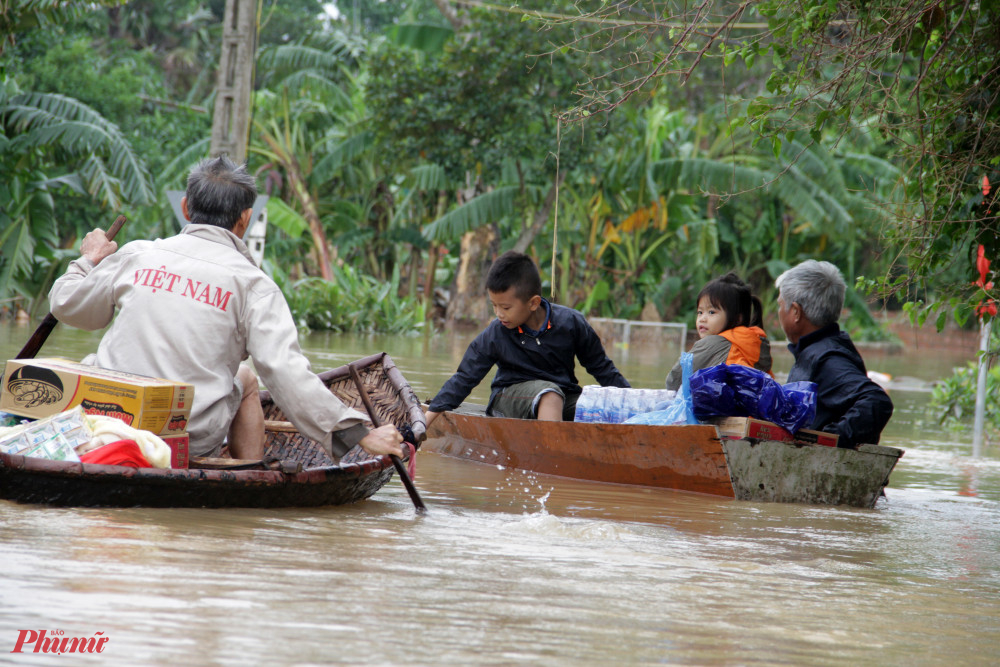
(191, 307)
(810, 298)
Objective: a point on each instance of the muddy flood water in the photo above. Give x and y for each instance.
(512, 568)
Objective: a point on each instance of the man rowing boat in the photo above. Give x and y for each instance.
(192, 307)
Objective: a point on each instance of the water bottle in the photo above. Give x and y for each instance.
(582, 403)
(632, 400)
(605, 405)
(613, 405)
(586, 405)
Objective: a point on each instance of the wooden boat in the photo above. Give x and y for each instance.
(303, 475)
(686, 458)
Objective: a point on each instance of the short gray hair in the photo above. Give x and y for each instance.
(218, 191)
(818, 288)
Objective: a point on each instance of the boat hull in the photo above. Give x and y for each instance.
(787, 472)
(685, 458)
(30, 480)
(675, 457)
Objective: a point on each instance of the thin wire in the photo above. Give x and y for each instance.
(253, 76)
(595, 18)
(555, 222)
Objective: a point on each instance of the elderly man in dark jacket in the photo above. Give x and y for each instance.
(810, 298)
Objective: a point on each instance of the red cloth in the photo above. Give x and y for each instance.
(119, 453)
(412, 467)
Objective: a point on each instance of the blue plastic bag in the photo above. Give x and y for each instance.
(730, 390)
(681, 410)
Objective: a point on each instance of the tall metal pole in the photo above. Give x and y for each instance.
(980, 414)
(231, 117)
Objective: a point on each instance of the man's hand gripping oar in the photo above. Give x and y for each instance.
(96, 244)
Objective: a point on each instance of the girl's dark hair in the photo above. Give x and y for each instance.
(736, 298)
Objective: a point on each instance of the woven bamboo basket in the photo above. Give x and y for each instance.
(392, 398)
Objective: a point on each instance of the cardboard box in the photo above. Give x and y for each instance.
(748, 427)
(42, 387)
(816, 437)
(179, 445)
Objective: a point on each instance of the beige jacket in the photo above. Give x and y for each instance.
(192, 307)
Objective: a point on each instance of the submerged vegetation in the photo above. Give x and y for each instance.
(352, 302)
(953, 400)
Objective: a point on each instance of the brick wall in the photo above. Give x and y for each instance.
(928, 337)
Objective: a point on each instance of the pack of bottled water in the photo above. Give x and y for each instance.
(613, 405)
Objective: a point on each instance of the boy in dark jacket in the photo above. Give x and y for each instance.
(533, 344)
(810, 298)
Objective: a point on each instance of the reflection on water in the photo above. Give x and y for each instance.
(511, 567)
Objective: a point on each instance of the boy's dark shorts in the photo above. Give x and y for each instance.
(520, 401)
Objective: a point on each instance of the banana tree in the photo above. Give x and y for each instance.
(50, 141)
(309, 129)
(18, 16)
(295, 119)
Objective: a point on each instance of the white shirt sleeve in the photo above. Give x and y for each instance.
(83, 297)
(273, 343)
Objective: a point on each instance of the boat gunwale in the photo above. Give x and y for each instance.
(71, 469)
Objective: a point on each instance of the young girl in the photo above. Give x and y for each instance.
(729, 320)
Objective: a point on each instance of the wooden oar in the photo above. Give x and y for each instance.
(266, 463)
(41, 334)
(279, 426)
(418, 503)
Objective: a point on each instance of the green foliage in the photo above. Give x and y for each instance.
(487, 207)
(26, 231)
(100, 148)
(420, 36)
(727, 204)
(287, 20)
(476, 104)
(860, 323)
(51, 144)
(391, 135)
(308, 129)
(285, 218)
(953, 399)
(107, 164)
(119, 84)
(19, 16)
(353, 302)
(375, 17)
(921, 77)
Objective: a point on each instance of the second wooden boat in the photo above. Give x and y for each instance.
(686, 458)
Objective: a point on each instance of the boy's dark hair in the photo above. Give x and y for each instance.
(736, 298)
(517, 270)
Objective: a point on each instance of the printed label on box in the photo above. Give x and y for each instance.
(42, 387)
(748, 427)
(178, 449)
